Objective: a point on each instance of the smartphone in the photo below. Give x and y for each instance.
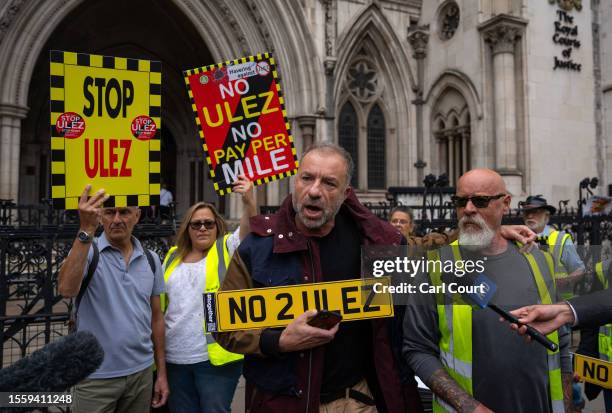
(325, 319)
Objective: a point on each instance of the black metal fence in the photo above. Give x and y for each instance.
(35, 239)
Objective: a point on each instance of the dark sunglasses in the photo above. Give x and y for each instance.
(479, 201)
(197, 225)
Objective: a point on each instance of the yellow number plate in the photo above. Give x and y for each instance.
(278, 306)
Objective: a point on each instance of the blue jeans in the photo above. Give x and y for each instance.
(202, 387)
(577, 398)
(608, 400)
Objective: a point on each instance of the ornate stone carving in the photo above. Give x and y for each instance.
(362, 80)
(418, 39)
(8, 17)
(568, 5)
(261, 26)
(330, 65)
(331, 17)
(233, 23)
(448, 20)
(502, 37)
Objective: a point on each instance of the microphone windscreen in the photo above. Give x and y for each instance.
(56, 367)
(474, 289)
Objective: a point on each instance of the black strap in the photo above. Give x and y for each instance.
(91, 269)
(150, 259)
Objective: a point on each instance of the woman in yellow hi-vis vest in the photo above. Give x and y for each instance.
(201, 374)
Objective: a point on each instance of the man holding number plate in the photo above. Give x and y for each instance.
(316, 236)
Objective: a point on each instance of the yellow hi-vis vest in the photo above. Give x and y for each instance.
(605, 332)
(455, 324)
(556, 243)
(216, 266)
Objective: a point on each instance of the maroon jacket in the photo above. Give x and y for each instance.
(384, 382)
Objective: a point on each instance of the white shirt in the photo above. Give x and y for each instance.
(165, 197)
(185, 338)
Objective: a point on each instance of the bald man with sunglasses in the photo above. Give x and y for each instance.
(469, 363)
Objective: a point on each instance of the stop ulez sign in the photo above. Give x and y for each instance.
(105, 128)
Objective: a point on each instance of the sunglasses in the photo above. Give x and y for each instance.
(197, 225)
(479, 201)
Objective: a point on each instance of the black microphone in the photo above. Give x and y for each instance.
(532, 332)
(56, 367)
(479, 290)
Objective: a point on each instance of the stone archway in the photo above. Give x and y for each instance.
(452, 91)
(370, 42)
(180, 33)
(107, 28)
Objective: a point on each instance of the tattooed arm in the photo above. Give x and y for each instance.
(422, 353)
(567, 379)
(448, 390)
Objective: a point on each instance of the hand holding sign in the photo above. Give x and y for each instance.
(89, 209)
(298, 335)
(243, 123)
(244, 186)
(105, 128)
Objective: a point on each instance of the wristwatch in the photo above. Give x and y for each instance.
(84, 236)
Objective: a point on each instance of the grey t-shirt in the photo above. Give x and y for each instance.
(116, 308)
(508, 375)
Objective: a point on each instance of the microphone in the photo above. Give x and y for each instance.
(56, 367)
(482, 298)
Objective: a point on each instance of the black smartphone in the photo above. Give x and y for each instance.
(325, 319)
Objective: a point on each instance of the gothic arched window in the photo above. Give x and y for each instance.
(376, 149)
(452, 134)
(347, 136)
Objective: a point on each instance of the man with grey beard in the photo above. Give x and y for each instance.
(316, 236)
(569, 268)
(470, 363)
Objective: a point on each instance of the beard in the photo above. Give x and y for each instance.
(328, 214)
(475, 240)
(537, 226)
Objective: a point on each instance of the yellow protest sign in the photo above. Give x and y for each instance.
(105, 128)
(593, 370)
(277, 306)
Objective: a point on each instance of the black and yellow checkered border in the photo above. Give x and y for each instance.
(255, 58)
(58, 61)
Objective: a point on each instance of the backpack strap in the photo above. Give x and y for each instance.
(150, 259)
(91, 269)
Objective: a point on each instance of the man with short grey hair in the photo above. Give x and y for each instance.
(117, 284)
(316, 236)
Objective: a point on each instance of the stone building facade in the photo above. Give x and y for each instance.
(409, 87)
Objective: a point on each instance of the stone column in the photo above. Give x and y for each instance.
(10, 144)
(307, 125)
(440, 143)
(418, 39)
(458, 155)
(327, 109)
(451, 156)
(465, 145)
(502, 33)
